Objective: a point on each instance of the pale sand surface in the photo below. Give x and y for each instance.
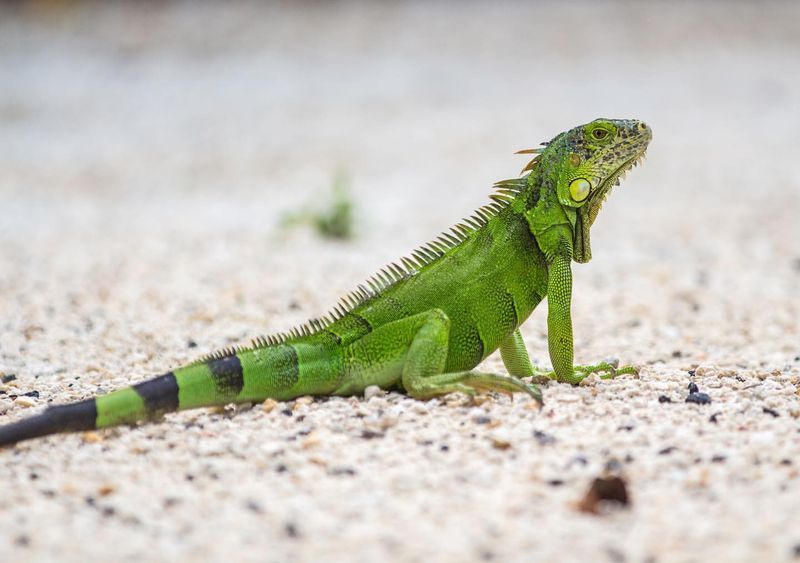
(146, 158)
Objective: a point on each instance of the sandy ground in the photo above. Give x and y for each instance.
(146, 156)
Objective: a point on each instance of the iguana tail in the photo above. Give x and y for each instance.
(232, 376)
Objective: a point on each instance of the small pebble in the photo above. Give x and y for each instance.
(373, 391)
(269, 405)
(543, 438)
(664, 399)
(25, 401)
(699, 398)
(609, 489)
(772, 412)
(8, 377)
(500, 442)
(693, 388)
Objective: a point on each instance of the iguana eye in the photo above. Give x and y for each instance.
(579, 189)
(599, 134)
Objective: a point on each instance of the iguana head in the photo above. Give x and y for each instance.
(587, 162)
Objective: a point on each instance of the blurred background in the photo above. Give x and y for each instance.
(181, 134)
(180, 176)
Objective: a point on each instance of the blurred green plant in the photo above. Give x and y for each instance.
(334, 219)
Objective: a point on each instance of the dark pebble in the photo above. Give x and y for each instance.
(796, 551)
(610, 489)
(253, 506)
(693, 388)
(677, 354)
(371, 434)
(291, 530)
(482, 420)
(718, 458)
(786, 461)
(191, 344)
(343, 471)
(286, 412)
(543, 437)
(9, 377)
(34, 394)
(772, 412)
(555, 482)
(22, 541)
(626, 427)
(699, 398)
(664, 399)
(713, 417)
(667, 450)
(691, 372)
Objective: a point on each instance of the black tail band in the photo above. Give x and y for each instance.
(62, 418)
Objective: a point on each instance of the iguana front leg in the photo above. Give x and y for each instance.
(559, 329)
(413, 351)
(515, 356)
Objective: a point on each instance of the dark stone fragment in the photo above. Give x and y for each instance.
(677, 354)
(796, 551)
(693, 388)
(718, 458)
(609, 489)
(253, 506)
(713, 417)
(22, 541)
(444, 448)
(543, 437)
(691, 372)
(291, 530)
(668, 450)
(191, 344)
(579, 460)
(482, 420)
(108, 511)
(664, 399)
(370, 434)
(286, 412)
(34, 394)
(555, 482)
(626, 427)
(343, 471)
(281, 468)
(9, 377)
(772, 412)
(699, 398)
(786, 461)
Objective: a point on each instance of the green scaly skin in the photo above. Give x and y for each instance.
(426, 322)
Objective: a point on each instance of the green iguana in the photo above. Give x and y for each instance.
(425, 322)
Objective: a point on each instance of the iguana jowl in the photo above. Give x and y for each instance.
(423, 323)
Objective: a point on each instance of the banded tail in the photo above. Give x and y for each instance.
(246, 375)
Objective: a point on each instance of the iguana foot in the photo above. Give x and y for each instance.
(607, 369)
(469, 382)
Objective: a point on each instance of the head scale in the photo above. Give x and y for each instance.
(589, 160)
